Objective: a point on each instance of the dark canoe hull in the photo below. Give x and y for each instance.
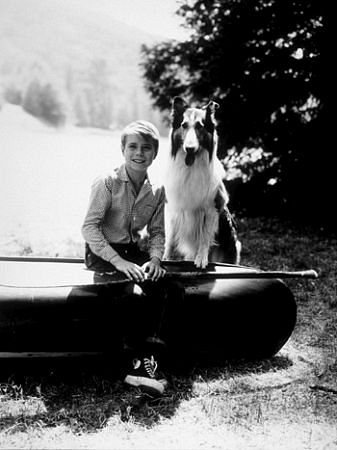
(222, 318)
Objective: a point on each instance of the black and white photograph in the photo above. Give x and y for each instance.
(168, 245)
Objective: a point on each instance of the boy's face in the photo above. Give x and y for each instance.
(138, 153)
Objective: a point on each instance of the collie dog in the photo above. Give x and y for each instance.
(199, 225)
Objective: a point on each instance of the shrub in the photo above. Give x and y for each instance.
(12, 95)
(42, 101)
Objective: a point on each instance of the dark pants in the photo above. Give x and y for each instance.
(145, 311)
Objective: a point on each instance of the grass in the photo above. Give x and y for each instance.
(284, 402)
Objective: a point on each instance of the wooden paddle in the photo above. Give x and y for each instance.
(230, 272)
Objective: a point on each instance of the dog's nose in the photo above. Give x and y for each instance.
(190, 149)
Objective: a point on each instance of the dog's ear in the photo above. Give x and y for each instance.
(212, 106)
(209, 118)
(178, 108)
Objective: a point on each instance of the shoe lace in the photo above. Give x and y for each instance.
(150, 366)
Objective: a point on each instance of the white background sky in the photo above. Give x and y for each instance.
(152, 16)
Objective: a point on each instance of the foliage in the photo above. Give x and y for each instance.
(13, 95)
(262, 61)
(41, 100)
(93, 105)
(250, 174)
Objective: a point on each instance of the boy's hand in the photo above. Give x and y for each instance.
(130, 269)
(153, 269)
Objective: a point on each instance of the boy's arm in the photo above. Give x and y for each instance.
(156, 230)
(99, 203)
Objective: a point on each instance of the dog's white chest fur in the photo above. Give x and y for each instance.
(190, 188)
(191, 216)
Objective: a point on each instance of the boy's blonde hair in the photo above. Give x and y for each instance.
(145, 129)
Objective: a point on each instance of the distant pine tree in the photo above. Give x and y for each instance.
(53, 110)
(13, 95)
(31, 100)
(43, 102)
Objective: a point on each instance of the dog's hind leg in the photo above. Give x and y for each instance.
(227, 248)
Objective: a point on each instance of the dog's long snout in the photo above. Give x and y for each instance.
(191, 142)
(190, 149)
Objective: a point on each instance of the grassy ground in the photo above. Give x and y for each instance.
(286, 402)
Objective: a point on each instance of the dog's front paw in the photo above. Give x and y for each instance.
(201, 261)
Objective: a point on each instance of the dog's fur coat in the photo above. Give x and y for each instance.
(199, 225)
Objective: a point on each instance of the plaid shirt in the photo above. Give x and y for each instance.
(116, 214)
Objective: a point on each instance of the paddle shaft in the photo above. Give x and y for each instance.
(243, 274)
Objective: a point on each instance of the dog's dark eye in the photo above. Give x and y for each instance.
(198, 125)
(184, 125)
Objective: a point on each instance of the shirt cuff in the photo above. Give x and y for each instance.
(107, 253)
(156, 253)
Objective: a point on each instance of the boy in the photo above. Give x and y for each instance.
(120, 206)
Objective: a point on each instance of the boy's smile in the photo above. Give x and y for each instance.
(138, 153)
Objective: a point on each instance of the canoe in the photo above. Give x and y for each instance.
(53, 306)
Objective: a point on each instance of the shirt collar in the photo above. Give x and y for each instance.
(122, 175)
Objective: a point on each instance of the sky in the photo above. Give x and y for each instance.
(153, 16)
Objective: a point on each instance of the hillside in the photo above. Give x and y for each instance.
(86, 55)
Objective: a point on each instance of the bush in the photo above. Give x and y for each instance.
(31, 101)
(42, 101)
(253, 182)
(13, 95)
(52, 107)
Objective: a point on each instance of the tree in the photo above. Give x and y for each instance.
(42, 100)
(98, 94)
(31, 101)
(81, 111)
(13, 95)
(53, 110)
(262, 61)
